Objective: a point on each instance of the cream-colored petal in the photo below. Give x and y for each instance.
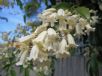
(89, 28)
(78, 29)
(51, 33)
(71, 41)
(41, 28)
(26, 38)
(41, 37)
(22, 58)
(62, 46)
(61, 12)
(82, 22)
(50, 10)
(34, 53)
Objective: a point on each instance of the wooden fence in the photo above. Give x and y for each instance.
(73, 66)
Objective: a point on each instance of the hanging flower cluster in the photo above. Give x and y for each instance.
(54, 37)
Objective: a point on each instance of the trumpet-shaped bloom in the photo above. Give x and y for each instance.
(34, 53)
(50, 10)
(63, 51)
(89, 28)
(41, 28)
(71, 20)
(41, 37)
(71, 41)
(78, 29)
(52, 18)
(22, 58)
(61, 12)
(51, 33)
(82, 22)
(62, 46)
(26, 38)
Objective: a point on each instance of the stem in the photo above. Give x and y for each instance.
(52, 66)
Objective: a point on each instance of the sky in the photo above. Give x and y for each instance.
(14, 16)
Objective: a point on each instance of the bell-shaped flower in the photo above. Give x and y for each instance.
(60, 13)
(41, 37)
(48, 43)
(34, 53)
(89, 28)
(41, 28)
(62, 25)
(22, 58)
(71, 20)
(52, 19)
(43, 56)
(25, 38)
(51, 33)
(82, 22)
(71, 41)
(67, 13)
(50, 39)
(50, 10)
(78, 29)
(63, 50)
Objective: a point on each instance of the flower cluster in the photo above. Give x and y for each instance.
(54, 37)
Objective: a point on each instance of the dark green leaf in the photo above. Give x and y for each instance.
(83, 11)
(26, 72)
(13, 72)
(62, 5)
(19, 2)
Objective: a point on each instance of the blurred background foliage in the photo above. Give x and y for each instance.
(80, 6)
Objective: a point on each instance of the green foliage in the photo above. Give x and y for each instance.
(26, 72)
(31, 7)
(62, 5)
(19, 2)
(92, 63)
(4, 2)
(13, 72)
(84, 12)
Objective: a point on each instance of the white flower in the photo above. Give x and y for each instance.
(42, 56)
(26, 38)
(50, 39)
(52, 18)
(61, 12)
(51, 33)
(63, 50)
(22, 58)
(62, 24)
(94, 19)
(63, 46)
(34, 53)
(71, 41)
(41, 28)
(71, 21)
(50, 10)
(67, 13)
(82, 22)
(89, 28)
(48, 44)
(41, 37)
(78, 29)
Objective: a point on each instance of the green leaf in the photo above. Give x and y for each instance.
(83, 11)
(19, 2)
(63, 5)
(26, 72)
(13, 72)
